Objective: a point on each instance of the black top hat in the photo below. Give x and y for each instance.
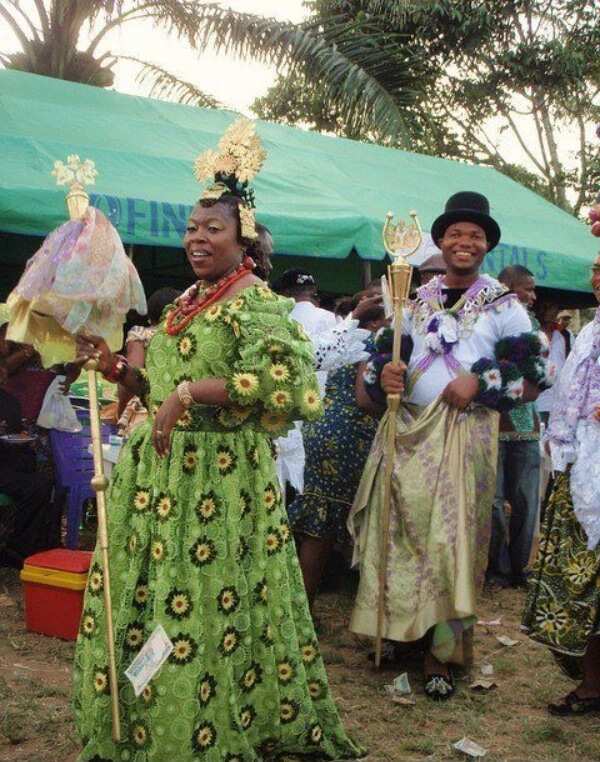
(467, 206)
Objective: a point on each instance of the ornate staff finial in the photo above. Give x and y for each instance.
(404, 238)
(76, 174)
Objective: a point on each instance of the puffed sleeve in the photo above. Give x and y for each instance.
(273, 374)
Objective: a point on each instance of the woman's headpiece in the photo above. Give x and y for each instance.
(231, 168)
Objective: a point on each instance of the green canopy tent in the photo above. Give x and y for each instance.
(323, 197)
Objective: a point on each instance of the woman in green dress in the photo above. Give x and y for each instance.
(199, 541)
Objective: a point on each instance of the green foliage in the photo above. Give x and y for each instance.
(50, 41)
(527, 67)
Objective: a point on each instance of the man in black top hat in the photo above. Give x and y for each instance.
(471, 342)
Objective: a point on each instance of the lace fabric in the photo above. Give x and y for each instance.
(573, 434)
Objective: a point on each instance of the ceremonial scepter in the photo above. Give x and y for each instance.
(77, 204)
(401, 241)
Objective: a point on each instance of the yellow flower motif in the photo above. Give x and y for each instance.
(163, 507)
(88, 625)
(316, 734)
(275, 349)
(134, 637)
(273, 422)
(280, 399)
(207, 508)
(190, 459)
(100, 682)
(141, 500)
(266, 293)
(245, 384)
(139, 734)
(185, 419)
(312, 400)
(148, 694)
(205, 737)
(182, 650)
(157, 550)
(96, 581)
(309, 653)
(141, 594)
(213, 312)
(180, 604)
(279, 371)
(285, 672)
(240, 414)
(249, 678)
(237, 305)
(270, 497)
(284, 531)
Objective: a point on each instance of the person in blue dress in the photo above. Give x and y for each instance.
(336, 447)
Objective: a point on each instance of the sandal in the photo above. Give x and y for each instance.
(439, 687)
(573, 705)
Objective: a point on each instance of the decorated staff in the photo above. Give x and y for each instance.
(401, 241)
(80, 281)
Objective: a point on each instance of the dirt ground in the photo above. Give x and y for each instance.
(509, 721)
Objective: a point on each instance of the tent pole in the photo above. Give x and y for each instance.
(366, 273)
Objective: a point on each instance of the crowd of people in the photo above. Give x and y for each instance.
(257, 445)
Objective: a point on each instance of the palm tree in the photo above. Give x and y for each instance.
(49, 40)
(344, 58)
(355, 51)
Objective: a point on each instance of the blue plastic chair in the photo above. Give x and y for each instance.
(73, 471)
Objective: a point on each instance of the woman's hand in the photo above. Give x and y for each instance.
(596, 413)
(462, 391)
(166, 419)
(93, 347)
(392, 377)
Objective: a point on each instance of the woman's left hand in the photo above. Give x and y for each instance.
(166, 419)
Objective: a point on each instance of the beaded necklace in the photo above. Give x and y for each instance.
(201, 295)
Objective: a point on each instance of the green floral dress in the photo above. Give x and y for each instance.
(199, 543)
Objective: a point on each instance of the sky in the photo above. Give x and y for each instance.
(235, 84)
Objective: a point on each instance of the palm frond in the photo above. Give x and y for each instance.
(167, 86)
(349, 66)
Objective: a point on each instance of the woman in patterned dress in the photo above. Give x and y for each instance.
(336, 447)
(563, 605)
(199, 540)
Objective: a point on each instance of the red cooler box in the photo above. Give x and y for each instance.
(54, 582)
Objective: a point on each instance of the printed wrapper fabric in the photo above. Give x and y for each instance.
(563, 605)
(199, 543)
(442, 491)
(79, 280)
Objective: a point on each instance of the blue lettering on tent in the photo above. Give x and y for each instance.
(541, 272)
(177, 220)
(133, 214)
(110, 205)
(154, 219)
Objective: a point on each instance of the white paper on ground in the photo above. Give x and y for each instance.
(470, 748)
(150, 659)
(487, 669)
(490, 622)
(506, 641)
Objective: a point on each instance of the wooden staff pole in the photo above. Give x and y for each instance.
(399, 279)
(99, 484)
